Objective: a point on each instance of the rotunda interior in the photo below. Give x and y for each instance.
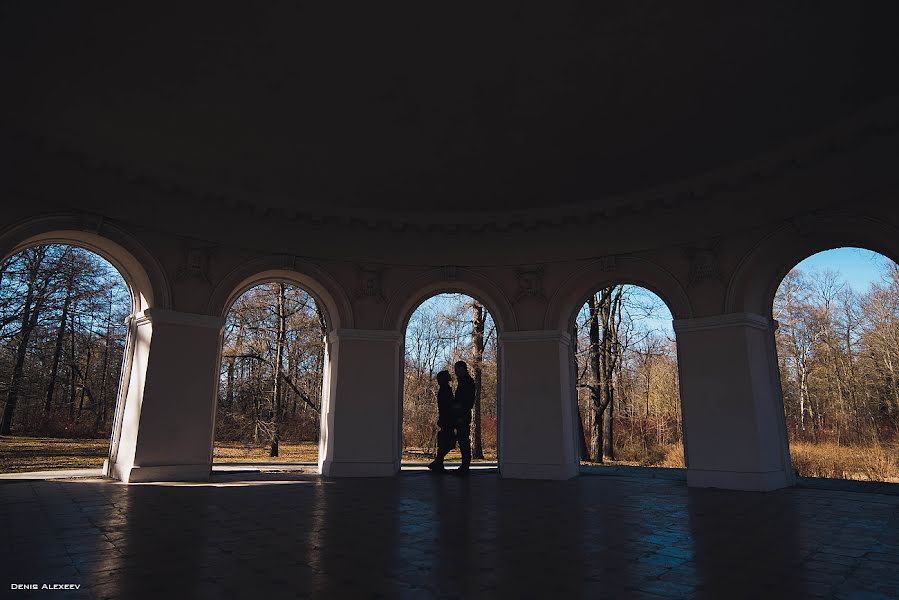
(516, 179)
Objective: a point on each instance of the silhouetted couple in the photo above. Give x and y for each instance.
(454, 417)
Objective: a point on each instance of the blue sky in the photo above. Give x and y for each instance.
(857, 267)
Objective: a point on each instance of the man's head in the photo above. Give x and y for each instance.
(461, 369)
(443, 377)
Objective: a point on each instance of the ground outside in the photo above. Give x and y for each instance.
(289, 533)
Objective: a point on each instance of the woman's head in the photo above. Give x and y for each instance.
(443, 377)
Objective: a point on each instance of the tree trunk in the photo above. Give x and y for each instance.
(582, 434)
(72, 368)
(277, 394)
(478, 318)
(100, 417)
(29, 320)
(60, 336)
(229, 391)
(596, 438)
(87, 371)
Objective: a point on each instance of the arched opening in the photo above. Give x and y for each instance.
(270, 381)
(64, 332)
(838, 345)
(444, 329)
(626, 379)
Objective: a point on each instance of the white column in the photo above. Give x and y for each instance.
(360, 432)
(537, 429)
(164, 427)
(734, 427)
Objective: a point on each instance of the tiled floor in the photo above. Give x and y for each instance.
(270, 535)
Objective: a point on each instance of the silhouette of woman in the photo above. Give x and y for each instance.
(446, 421)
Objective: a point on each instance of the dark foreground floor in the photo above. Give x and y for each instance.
(418, 535)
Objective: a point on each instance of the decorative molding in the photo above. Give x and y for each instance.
(607, 263)
(195, 259)
(92, 223)
(844, 136)
(365, 335)
(741, 319)
(369, 284)
(451, 272)
(535, 335)
(290, 262)
(810, 223)
(704, 262)
(160, 316)
(530, 284)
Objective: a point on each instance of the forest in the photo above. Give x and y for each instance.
(273, 357)
(838, 350)
(63, 328)
(627, 379)
(280, 324)
(445, 329)
(63, 333)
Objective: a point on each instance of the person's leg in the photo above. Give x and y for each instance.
(463, 433)
(443, 448)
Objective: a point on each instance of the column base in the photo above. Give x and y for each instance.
(538, 471)
(158, 473)
(358, 469)
(735, 480)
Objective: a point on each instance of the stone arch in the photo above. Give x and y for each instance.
(326, 292)
(143, 275)
(758, 275)
(575, 290)
(413, 292)
(321, 286)
(409, 296)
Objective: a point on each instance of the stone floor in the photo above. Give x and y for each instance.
(289, 535)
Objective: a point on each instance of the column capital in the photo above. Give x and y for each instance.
(739, 319)
(536, 335)
(365, 335)
(163, 316)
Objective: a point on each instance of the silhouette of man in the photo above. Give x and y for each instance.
(446, 421)
(464, 402)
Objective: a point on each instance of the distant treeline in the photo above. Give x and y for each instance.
(839, 357)
(63, 331)
(444, 329)
(272, 363)
(627, 377)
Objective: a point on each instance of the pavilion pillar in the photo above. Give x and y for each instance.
(537, 437)
(164, 428)
(734, 428)
(360, 431)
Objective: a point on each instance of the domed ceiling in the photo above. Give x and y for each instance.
(425, 110)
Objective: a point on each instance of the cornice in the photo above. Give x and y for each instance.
(160, 316)
(878, 121)
(739, 319)
(365, 335)
(536, 335)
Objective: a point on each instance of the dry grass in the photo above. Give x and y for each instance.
(863, 463)
(422, 455)
(225, 452)
(874, 462)
(668, 455)
(21, 453)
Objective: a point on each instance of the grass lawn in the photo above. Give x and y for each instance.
(23, 453)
